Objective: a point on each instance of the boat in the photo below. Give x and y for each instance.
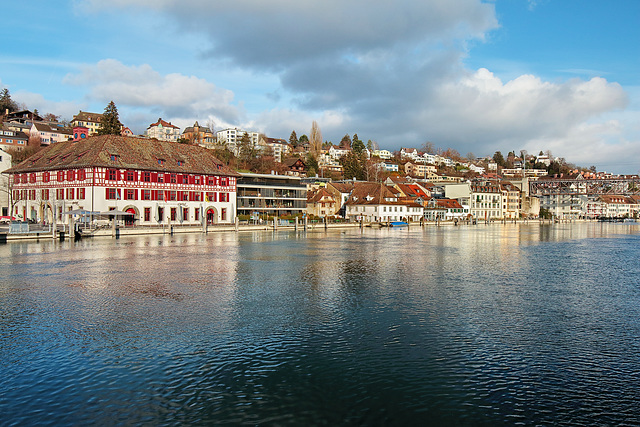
(398, 224)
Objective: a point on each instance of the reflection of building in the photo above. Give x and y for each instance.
(158, 182)
(273, 195)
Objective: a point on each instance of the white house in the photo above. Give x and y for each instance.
(164, 131)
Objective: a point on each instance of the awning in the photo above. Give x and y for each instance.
(82, 212)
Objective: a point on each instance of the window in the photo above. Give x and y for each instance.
(173, 214)
(32, 194)
(197, 214)
(70, 194)
(146, 194)
(160, 214)
(173, 178)
(147, 214)
(160, 177)
(113, 194)
(210, 181)
(185, 214)
(161, 162)
(131, 176)
(114, 157)
(180, 163)
(32, 177)
(112, 175)
(60, 193)
(223, 181)
(130, 194)
(172, 195)
(71, 175)
(82, 175)
(60, 176)
(81, 193)
(224, 214)
(146, 176)
(44, 194)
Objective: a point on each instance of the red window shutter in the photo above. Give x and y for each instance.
(154, 177)
(135, 194)
(106, 194)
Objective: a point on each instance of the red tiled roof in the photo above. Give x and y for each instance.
(164, 124)
(127, 153)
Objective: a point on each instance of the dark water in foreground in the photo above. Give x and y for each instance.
(490, 325)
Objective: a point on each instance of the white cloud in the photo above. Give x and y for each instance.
(171, 96)
(35, 101)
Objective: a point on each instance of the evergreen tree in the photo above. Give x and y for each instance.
(293, 139)
(346, 141)
(498, 158)
(110, 123)
(357, 146)
(354, 165)
(6, 103)
(312, 165)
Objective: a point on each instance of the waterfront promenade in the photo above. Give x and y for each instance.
(38, 232)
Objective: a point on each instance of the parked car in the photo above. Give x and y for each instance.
(6, 219)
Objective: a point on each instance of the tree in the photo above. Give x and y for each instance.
(353, 166)
(293, 139)
(315, 138)
(357, 146)
(312, 165)
(498, 158)
(428, 147)
(110, 123)
(369, 145)
(346, 141)
(246, 150)
(6, 103)
(470, 156)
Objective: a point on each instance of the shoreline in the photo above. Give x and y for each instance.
(171, 230)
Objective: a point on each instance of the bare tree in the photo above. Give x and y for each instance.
(428, 147)
(315, 138)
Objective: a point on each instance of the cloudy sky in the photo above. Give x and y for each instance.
(476, 76)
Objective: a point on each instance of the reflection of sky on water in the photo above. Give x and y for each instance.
(498, 323)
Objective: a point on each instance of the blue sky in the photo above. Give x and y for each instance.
(475, 76)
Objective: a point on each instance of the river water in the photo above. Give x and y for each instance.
(475, 325)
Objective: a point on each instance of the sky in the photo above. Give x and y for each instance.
(475, 76)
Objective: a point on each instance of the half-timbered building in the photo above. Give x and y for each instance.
(158, 182)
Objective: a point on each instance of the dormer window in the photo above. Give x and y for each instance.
(114, 157)
(180, 163)
(161, 162)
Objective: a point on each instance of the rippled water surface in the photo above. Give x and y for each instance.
(486, 325)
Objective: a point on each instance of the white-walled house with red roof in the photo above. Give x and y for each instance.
(158, 182)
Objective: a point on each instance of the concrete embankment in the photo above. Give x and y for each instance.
(168, 229)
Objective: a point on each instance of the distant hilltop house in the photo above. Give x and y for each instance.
(91, 121)
(48, 134)
(232, 137)
(199, 135)
(13, 139)
(155, 181)
(277, 147)
(163, 131)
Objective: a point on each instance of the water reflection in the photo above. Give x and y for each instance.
(496, 324)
